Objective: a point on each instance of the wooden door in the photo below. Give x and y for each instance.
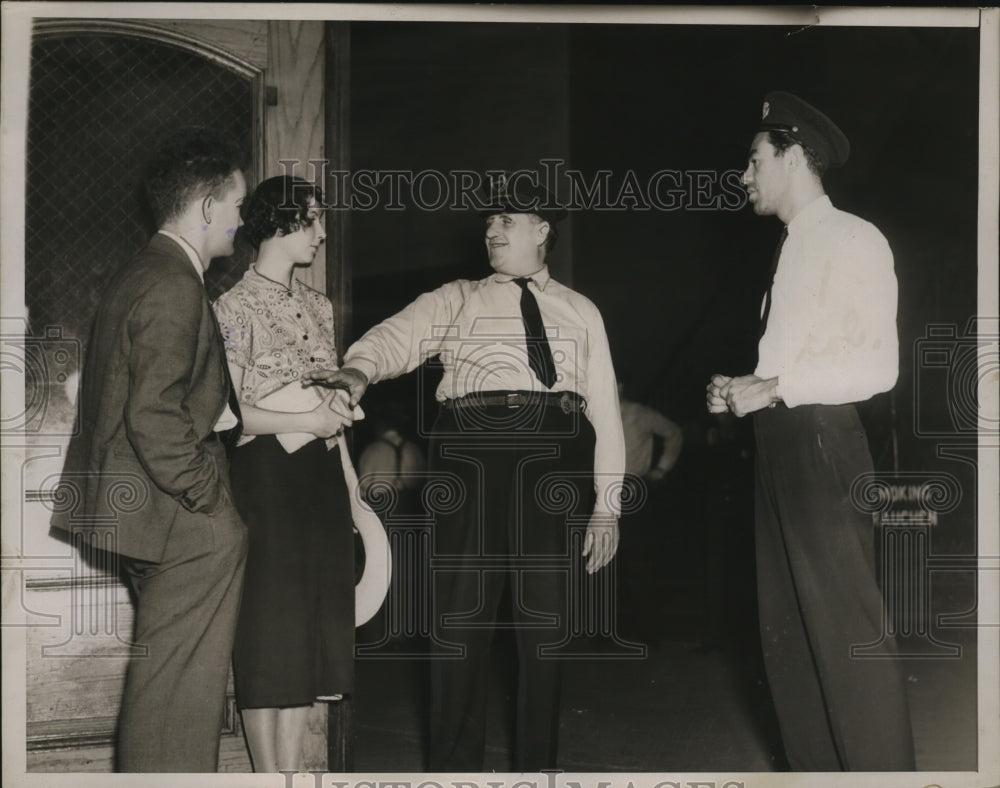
(100, 91)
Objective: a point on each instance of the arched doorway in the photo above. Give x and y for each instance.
(101, 93)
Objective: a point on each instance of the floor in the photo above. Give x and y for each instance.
(695, 698)
(684, 706)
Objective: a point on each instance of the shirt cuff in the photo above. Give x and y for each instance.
(363, 365)
(791, 394)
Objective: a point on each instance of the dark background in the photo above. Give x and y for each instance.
(680, 290)
(680, 293)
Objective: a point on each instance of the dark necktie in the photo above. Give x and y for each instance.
(770, 283)
(539, 352)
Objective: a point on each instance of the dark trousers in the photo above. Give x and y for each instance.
(818, 596)
(186, 609)
(640, 586)
(520, 480)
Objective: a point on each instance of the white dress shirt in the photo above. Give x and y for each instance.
(476, 328)
(831, 332)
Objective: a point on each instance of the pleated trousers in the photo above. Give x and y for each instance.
(521, 478)
(819, 596)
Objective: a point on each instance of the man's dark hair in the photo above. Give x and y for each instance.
(279, 205)
(191, 163)
(782, 141)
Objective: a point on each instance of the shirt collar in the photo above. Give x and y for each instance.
(191, 252)
(812, 214)
(266, 281)
(540, 277)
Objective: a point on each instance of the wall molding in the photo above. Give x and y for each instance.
(60, 28)
(68, 734)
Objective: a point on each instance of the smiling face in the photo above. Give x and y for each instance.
(515, 242)
(766, 177)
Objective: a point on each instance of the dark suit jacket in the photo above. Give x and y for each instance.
(153, 387)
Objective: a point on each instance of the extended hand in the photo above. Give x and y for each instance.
(601, 541)
(348, 378)
(749, 393)
(715, 399)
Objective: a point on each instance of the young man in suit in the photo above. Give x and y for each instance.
(155, 421)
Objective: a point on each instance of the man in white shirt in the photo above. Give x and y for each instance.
(828, 340)
(529, 440)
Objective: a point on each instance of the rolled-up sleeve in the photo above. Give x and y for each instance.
(399, 344)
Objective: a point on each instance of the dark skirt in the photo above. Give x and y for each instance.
(295, 636)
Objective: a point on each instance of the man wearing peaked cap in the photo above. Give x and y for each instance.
(518, 192)
(530, 434)
(788, 114)
(827, 340)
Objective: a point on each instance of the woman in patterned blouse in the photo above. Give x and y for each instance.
(295, 636)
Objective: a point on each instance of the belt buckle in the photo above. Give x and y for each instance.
(512, 399)
(565, 405)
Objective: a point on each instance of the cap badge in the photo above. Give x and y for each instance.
(767, 108)
(499, 186)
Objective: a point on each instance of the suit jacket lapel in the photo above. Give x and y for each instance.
(167, 246)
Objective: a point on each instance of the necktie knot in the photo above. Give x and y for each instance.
(522, 282)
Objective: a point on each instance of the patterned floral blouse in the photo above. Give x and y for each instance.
(275, 334)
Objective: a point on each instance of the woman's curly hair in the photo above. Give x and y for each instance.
(279, 205)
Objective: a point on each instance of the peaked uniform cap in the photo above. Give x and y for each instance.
(806, 125)
(515, 193)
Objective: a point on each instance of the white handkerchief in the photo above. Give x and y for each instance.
(296, 398)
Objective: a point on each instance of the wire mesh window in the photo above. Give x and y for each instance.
(96, 105)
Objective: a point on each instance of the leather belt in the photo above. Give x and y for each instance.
(566, 401)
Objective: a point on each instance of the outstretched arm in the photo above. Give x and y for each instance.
(397, 345)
